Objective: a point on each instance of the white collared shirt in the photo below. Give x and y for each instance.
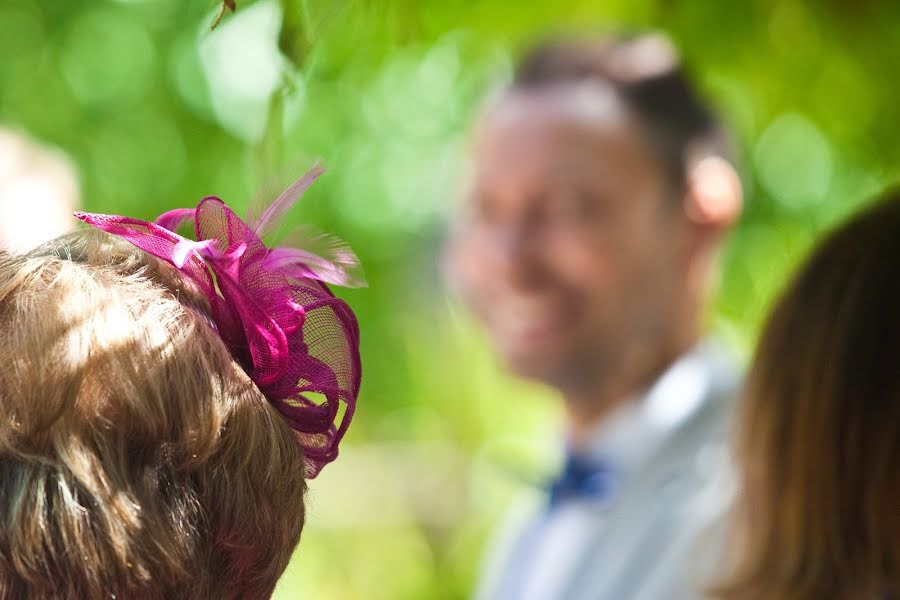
(552, 545)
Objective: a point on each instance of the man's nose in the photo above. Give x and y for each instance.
(516, 254)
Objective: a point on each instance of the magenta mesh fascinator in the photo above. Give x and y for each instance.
(272, 308)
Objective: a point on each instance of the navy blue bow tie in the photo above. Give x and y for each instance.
(583, 478)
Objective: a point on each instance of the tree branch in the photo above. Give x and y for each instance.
(225, 7)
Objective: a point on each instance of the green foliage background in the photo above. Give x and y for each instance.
(157, 111)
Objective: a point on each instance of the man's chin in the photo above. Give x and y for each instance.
(542, 368)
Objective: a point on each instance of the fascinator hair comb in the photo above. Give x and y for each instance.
(271, 306)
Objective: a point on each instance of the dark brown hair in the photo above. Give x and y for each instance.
(137, 459)
(819, 443)
(645, 73)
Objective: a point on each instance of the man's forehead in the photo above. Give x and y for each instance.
(588, 104)
(555, 132)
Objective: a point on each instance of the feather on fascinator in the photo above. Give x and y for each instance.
(271, 307)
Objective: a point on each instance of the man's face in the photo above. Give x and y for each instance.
(570, 249)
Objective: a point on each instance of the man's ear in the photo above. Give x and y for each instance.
(712, 204)
(714, 198)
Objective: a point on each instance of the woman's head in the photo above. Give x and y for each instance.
(136, 457)
(819, 443)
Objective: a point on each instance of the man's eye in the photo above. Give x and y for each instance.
(574, 207)
(479, 211)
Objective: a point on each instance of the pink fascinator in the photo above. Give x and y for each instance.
(272, 308)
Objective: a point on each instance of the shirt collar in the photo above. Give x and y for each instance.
(636, 429)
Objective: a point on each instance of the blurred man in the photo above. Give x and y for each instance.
(601, 190)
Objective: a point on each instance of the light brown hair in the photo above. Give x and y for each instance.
(137, 459)
(819, 443)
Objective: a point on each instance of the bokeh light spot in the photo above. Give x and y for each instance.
(107, 57)
(243, 67)
(793, 160)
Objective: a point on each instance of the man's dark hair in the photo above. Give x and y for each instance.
(645, 73)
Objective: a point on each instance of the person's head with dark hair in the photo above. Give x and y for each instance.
(601, 186)
(644, 74)
(819, 436)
